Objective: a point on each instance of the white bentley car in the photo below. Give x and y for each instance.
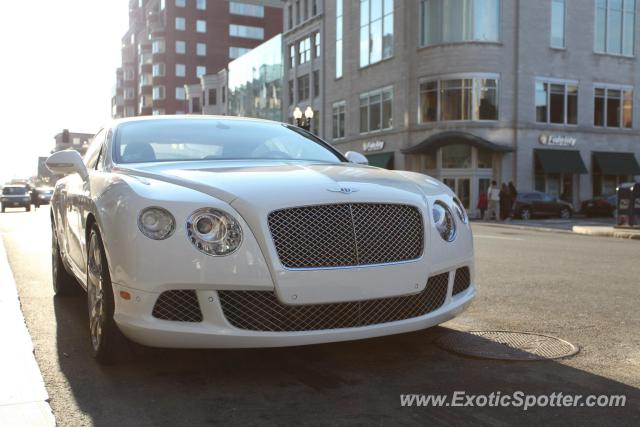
(205, 232)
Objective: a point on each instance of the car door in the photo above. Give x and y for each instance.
(76, 203)
(535, 201)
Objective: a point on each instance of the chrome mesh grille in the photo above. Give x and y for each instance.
(343, 235)
(262, 311)
(462, 280)
(178, 305)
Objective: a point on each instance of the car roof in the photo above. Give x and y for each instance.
(117, 122)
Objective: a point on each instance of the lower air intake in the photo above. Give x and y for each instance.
(178, 305)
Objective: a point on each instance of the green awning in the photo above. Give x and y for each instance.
(560, 161)
(617, 163)
(380, 160)
(442, 139)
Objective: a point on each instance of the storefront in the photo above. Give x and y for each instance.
(556, 172)
(373, 150)
(465, 162)
(608, 170)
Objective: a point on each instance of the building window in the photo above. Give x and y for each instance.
(246, 9)
(128, 74)
(303, 87)
(473, 98)
(556, 102)
(246, 31)
(613, 107)
(158, 46)
(157, 70)
(339, 8)
(314, 7)
(129, 93)
(305, 8)
(338, 120)
(180, 93)
(201, 4)
(304, 51)
(181, 3)
(376, 110)
(557, 23)
(297, 12)
(237, 52)
(201, 70)
(456, 156)
(615, 26)
(316, 45)
(291, 97)
(290, 12)
(376, 31)
(158, 93)
(201, 26)
(213, 97)
(181, 70)
(450, 21)
(181, 47)
(129, 111)
(224, 94)
(195, 105)
(181, 24)
(292, 55)
(316, 84)
(201, 49)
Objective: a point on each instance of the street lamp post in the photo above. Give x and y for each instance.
(306, 122)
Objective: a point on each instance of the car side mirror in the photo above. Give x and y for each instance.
(67, 162)
(355, 157)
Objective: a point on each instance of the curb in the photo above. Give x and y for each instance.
(523, 227)
(607, 232)
(23, 396)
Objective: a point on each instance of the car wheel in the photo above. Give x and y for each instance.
(565, 213)
(525, 214)
(107, 342)
(63, 282)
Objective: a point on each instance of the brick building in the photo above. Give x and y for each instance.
(172, 43)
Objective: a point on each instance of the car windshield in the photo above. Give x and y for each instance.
(216, 139)
(14, 191)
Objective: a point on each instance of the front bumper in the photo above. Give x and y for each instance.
(136, 322)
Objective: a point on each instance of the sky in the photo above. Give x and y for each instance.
(58, 69)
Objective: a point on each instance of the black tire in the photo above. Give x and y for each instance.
(108, 344)
(525, 214)
(565, 213)
(63, 282)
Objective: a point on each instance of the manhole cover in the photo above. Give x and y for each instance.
(506, 345)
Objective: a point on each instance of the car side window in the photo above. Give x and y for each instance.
(534, 196)
(91, 157)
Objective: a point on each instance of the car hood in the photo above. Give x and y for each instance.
(273, 184)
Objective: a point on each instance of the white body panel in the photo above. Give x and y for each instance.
(249, 191)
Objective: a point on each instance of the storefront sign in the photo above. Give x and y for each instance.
(370, 146)
(558, 140)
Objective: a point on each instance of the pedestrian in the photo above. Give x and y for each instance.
(493, 194)
(482, 203)
(514, 196)
(34, 198)
(505, 202)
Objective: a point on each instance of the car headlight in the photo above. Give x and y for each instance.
(444, 221)
(214, 232)
(460, 210)
(156, 223)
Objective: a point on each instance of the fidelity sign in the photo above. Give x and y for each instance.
(372, 146)
(558, 140)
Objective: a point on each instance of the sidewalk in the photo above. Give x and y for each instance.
(586, 226)
(619, 233)
(23, 397)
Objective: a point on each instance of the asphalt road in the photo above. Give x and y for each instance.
(583, 289)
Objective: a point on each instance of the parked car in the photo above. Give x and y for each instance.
(16, 196)
(537, 204)
(600, 206)
(226, 232)
(44, 195)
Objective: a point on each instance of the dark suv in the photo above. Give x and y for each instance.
(16, 196)
(535, 203)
